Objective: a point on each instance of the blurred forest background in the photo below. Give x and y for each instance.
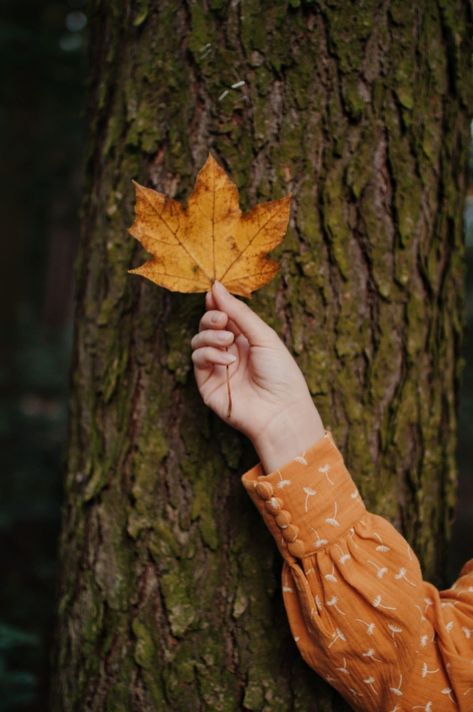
(43, 129)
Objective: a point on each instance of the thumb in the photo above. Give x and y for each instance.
(256, 330)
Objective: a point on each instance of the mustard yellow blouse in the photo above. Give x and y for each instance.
(360, 613)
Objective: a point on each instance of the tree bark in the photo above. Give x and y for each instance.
(170, 590)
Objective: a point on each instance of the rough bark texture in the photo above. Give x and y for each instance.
(170, 593)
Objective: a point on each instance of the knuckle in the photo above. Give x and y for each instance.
(215, 317)
(206, 320)
(197, 356)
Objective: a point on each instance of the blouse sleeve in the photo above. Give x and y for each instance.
(358, 608)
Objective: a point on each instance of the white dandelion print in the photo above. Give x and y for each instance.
(370, 627)
(344, 556)
(331, 520)
(380, 570)
(344, 669)
(371, 655)
(448, 691)
(325, 470)
(397, 690)
(370, 681)
(394, 629)
(401, 574)
(331, 577)
(337, 635)
(282, 482)
(381, 546)
(309, 493)
(426, 671)
(377, 604)
(318, 541)
(333, 602)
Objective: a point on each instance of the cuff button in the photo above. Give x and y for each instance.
(296, 548)
(283, 519)
(273, 505)
(264, 490)
(290, 533)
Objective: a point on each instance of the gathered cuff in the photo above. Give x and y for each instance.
(308, 503)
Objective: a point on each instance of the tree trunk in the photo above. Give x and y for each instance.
(170, 592)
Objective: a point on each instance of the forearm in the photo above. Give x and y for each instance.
(288, 436)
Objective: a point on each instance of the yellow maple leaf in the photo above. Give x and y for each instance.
(210, 238)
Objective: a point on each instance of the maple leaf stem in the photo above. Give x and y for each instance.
(229, 390)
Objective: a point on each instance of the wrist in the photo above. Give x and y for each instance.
(287, 435)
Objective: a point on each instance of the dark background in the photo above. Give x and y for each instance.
(42, 134)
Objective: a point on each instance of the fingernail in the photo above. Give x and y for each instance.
(221, 288)
(230, 358)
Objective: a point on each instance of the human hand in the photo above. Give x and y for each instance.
(271, 402)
